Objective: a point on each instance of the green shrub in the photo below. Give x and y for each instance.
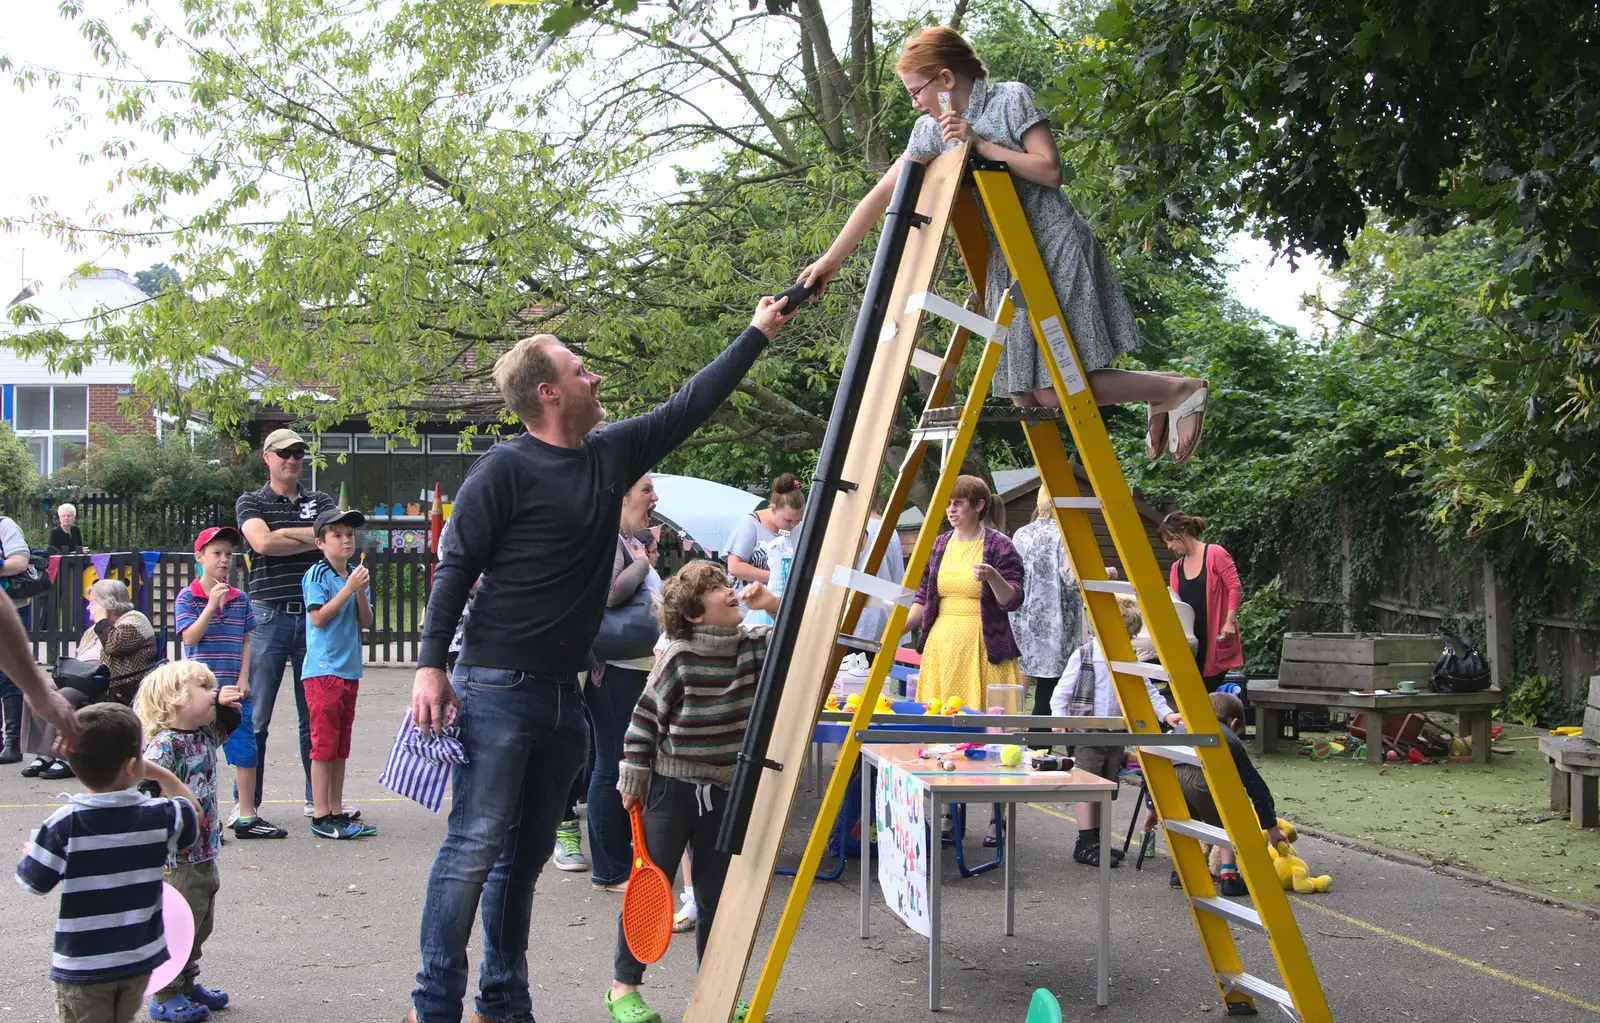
(1540, 700)
(1263, 620)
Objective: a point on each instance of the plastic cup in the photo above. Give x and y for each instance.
(1004, 698)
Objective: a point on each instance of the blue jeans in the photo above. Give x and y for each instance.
(279, 641)
(610, 832)
(526, 739)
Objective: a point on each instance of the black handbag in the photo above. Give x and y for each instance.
(90, 678)
(1461, 668)
(32, 582)
(628, 630)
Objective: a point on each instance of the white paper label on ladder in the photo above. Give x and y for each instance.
(888, 332)
(979, 325)
(1070, 377)
(881, 590)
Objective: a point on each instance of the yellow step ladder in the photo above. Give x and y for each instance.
(727, 957)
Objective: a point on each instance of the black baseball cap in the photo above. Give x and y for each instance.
(335, 517)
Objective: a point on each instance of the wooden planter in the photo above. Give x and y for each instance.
(1356, 660)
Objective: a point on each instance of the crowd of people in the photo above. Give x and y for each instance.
(552, 650)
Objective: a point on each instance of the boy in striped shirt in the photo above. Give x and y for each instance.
(215, 621)
(680, 750)
(108, 849)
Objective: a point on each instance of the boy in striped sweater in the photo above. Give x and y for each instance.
(679, 753)
(107, 849)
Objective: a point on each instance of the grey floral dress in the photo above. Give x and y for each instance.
(1049, 624)
(1097, 313)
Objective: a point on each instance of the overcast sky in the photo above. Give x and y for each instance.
(37, 168)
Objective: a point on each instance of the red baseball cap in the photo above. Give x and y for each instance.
(208, 535)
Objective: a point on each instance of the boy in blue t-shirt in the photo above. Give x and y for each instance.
(215, 622)
(338, 607)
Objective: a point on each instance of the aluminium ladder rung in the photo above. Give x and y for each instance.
(866, 646)
(949, 415)
(1108, 586)
(1255, 987)
(1176, 754)
(1200, 831)
(1233, 912)
(1144, 669)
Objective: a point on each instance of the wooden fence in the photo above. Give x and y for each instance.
(115, 523)
(401, 582)
(1426, 588)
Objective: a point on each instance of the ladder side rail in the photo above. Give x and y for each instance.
(850, 749)
(1132, 544)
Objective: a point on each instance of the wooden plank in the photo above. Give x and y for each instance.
(1594, 690)
(1591, 723)
(1315, 675)
(1391, 703)
(722, 972)
(1360, 647)
(1569, 751)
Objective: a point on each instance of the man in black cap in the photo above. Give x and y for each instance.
(277, 522)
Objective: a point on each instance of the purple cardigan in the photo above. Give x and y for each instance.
(998, 642)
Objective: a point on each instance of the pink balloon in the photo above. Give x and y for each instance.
(178, 919)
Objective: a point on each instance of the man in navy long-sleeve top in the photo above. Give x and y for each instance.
(537, 518)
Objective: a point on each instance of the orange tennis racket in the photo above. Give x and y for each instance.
(647, 905)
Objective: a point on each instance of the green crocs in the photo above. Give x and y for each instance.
(741, 1009)
(630, 1008)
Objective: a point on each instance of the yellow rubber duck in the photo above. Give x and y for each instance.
(953, 706)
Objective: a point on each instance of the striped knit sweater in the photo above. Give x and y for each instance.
(690, 720)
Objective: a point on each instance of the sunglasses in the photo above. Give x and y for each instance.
(291, 454)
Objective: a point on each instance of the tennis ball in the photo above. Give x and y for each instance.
(1011, 756)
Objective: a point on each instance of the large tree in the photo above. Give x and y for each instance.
(1297, 120)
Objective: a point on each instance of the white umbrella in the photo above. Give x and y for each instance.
(702, 509)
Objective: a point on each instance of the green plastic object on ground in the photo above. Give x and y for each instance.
(1044, 1008)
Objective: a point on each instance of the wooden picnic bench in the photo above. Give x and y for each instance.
(1476, 711)
(1574, 777)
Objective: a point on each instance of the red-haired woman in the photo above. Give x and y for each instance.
(1205, 578)
(947, 80)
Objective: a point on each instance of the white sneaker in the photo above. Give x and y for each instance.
(233, 818)
(310, 810)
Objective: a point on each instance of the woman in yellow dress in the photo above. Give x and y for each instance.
(973, 581)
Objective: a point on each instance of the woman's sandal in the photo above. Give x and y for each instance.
(630, 1008)
(1155, 435)
(1194, 405)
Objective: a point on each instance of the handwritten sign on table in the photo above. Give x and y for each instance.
(903, 846)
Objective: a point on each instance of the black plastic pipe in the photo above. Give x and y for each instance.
(825, 487)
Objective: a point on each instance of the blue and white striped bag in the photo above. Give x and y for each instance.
(419, 764)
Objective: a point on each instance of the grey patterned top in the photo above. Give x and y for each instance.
(1097, 313)
(1049, 624)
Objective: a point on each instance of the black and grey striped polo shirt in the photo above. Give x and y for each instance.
(275, 578)
(108, 852)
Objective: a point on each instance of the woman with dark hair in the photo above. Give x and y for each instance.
(785, 507)
(609, 698)
(1000, 121)
(1204, 577)
(972, 583)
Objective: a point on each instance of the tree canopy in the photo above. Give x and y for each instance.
(1304, 122)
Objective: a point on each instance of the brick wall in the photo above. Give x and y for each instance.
(104, 410)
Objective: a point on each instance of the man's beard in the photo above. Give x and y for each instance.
(581, 417)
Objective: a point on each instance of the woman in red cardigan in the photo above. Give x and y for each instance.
(1204, 578)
